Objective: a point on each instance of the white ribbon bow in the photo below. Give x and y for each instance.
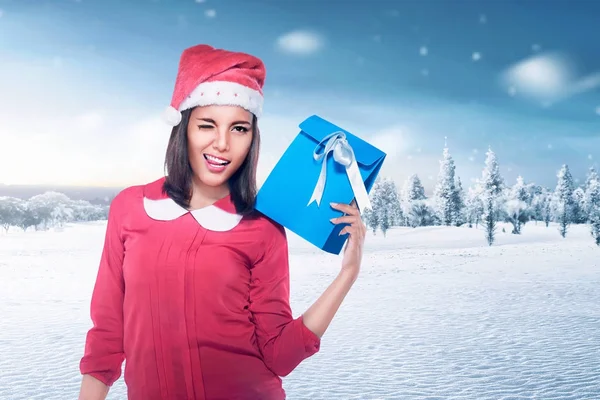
(344, 155)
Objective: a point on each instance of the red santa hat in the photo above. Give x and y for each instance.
(210, 76)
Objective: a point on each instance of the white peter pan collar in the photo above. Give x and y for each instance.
(212, 217)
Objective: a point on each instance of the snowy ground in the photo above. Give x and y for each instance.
(435, 314)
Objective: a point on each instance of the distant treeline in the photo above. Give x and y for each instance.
(47, 210)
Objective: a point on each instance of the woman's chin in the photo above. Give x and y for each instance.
(212, 179)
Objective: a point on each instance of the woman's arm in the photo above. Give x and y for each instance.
(283, 341)
(103, 353)
(92, 389)
(318, 317)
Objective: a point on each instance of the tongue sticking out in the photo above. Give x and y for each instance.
(215, 161)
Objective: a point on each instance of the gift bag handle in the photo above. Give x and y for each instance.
(343, 154)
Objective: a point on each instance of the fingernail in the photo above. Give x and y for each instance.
(333, 204)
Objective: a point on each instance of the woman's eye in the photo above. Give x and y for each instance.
(205, 126)
(241, 129)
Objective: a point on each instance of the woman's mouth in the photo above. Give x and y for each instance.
(215, 164)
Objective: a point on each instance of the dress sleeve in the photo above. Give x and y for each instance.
(283, 340)
(103, 356)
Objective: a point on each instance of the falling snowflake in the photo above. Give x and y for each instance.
(550, 146)
(590, 157)
(475, 151)
(210, 13)
(482, 19)
(377, 38)
(418, 149)
(423, 51)
(425, 72)
(471, 158)
(409, 157)
(200, 1)
(536, 47)
(598, 110)
(476, 56)
(509, 169)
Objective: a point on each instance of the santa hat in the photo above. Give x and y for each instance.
(210, 76)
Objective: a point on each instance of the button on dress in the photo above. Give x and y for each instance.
(195, 302)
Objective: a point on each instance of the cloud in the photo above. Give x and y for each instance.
(89, 121)
(300, 42)
(393, 141)
(547, 78)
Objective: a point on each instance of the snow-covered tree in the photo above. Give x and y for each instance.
(492, 187)
(490, 219)
(592, 206)
(473, 205)
(537, 195)
(459, 201)
(413, 189)
(415, 207)
(370, 219)
(591, 176)
(445, 191)
(541, 201)
(47, 210)
(579, 214)
(11, 211)
(516, 206)
(563, 201)
(386, 206)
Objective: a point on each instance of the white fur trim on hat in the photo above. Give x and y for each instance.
(172, 116)
(225, 93)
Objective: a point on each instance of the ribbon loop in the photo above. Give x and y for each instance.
(343, 154)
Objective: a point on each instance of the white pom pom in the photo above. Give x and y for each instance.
(172, 116)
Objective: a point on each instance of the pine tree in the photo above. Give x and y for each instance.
(592, 205)
(489, 217)
(592, 177)
(547, 208)
(459, 201)
(536, 202)
(445, 191)
(563, 200)
(517, 205)
(473, 205)
(386, 206)
(413, 189)
(579, 213)
(492, 187)
(415, 209)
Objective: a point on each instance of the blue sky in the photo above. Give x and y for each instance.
(83, 83)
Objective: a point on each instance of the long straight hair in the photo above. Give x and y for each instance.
(179, 173)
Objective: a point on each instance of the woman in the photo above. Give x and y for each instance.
(193, 284)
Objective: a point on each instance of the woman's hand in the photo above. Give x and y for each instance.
(353, 250)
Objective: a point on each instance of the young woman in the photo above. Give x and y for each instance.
(193, 283)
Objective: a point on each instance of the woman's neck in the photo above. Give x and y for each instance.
(203, 195)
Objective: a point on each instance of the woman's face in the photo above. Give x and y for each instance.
(219, 138)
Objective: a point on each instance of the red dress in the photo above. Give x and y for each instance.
(196, 302)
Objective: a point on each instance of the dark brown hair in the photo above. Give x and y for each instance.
(179, 173)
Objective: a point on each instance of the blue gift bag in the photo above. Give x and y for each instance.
(323, 164)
